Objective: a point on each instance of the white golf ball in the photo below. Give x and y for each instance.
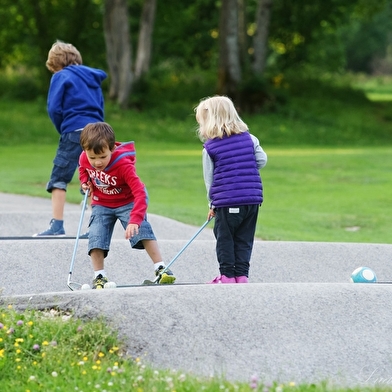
(85, 286)
(110, 285)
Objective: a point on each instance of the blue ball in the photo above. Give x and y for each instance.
(363, 275)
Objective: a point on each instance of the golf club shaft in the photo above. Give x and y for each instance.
(77, 238)
(182, 250)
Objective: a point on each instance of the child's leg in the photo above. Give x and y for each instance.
(146, 239)
(152, 249)
(97, 259)
(224, 227)
(61, 176)
(58, 203)
(243, 244)
(101, 226)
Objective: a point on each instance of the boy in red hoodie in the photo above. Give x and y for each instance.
(107, 170)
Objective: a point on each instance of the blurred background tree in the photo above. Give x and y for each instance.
(190, 48)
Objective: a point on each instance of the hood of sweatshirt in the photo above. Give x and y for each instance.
(93, 77)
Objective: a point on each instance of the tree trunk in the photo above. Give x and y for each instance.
(229, 74)
(118, 50)
(242, 36)
(144, 47)
(260, 41)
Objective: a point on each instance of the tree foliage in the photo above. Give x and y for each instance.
(188, 35)
(298, 29)
(30, 27)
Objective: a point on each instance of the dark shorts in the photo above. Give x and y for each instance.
(102, 223)
(65, 162)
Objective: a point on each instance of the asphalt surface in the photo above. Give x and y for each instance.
(299, 319)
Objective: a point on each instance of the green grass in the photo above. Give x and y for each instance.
(311, 194)
(53, 351)
(327, 179)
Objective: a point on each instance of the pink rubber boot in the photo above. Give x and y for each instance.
(222, 279)
(241, 279)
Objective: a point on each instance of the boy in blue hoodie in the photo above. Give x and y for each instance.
(75, 99)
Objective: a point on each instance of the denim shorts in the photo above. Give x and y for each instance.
(102, 223)
(65, 162)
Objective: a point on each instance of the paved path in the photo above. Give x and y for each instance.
(298, 320)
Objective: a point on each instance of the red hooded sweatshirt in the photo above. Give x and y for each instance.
(118, 184)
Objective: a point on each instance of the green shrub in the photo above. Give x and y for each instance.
(20, 87)
(172, 89)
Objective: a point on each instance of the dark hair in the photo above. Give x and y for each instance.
(97, 136)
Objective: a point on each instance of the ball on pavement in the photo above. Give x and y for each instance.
(85, 286)
(363, 275)
(110, 285)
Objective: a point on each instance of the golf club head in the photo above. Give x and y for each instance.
(148, 282)
(74, 286)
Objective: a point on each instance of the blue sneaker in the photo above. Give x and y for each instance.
(56, 229)
(165, 278)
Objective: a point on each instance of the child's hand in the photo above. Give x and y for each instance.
(87, 187)
(131, 230)
(211, 214)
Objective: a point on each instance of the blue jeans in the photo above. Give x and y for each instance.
(65, 162)
(234, 231)
(102, 223)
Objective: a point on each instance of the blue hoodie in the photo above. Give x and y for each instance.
(75, 98)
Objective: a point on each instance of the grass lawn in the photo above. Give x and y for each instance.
(311, 194)
(328, 178)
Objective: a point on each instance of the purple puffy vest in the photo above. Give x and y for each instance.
(236, 180)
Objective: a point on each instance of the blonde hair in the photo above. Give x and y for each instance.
(61, 55)
(217, 117)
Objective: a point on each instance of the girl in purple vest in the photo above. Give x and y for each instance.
(232, 158)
